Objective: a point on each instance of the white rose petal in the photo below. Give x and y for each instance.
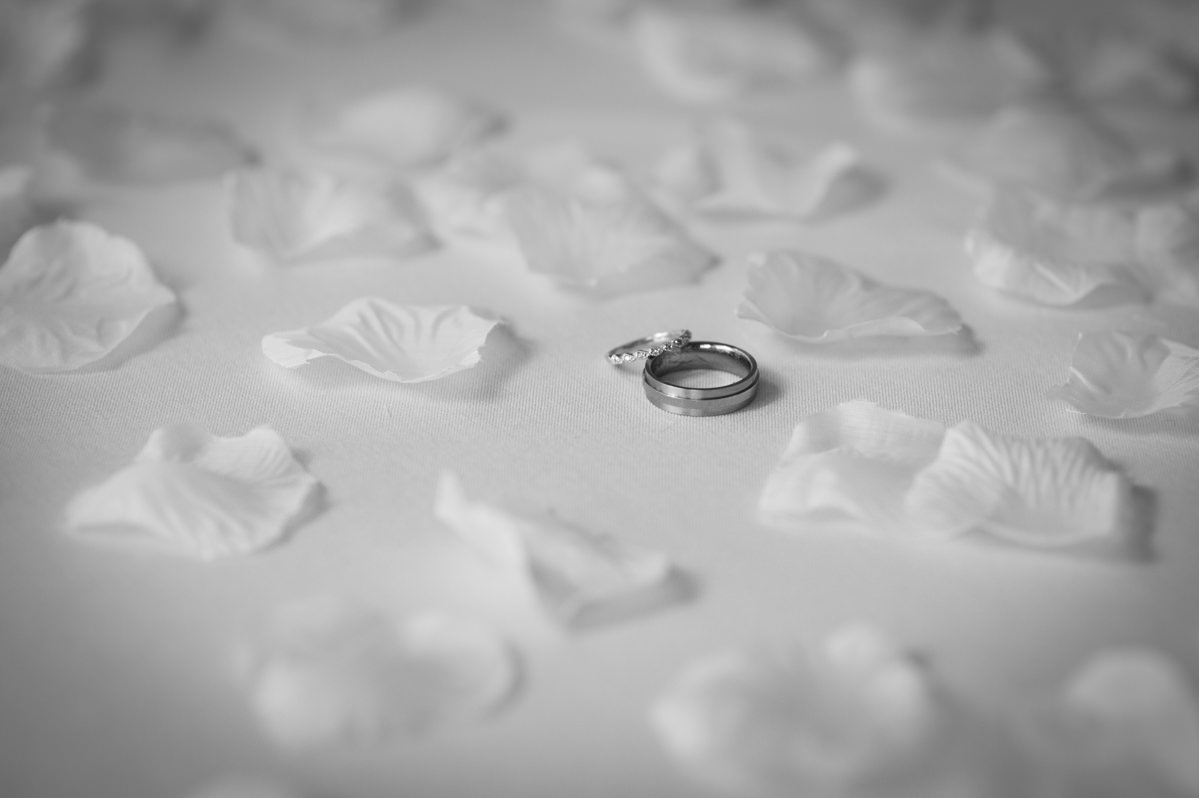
(853, 462)
(70, 294)
(334, 674)
(730, 170)
(945, 77)
(406, 127)
(600, 234)
(1051, 251)
(888, 473)
(1127, 375)
(828, 722)
(111, 144)
(1127, 723)
(293, 216)
(199, 495)
(1058, 147)
(818, 300)
(1035, 492)
(400, 343)
(580, 577)
(708, 51)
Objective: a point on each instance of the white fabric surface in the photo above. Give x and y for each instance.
(117, 671)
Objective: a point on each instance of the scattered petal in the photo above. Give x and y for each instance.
(831, 722)
(1037, 492)
(70, 293)
(818, 300)
(401, 343)
(872, 26)
(1126, 724)
(1057, 147)
(464, 200)
(709, 51)
(341, 20)
(306, 216)
(406, 127)
(1052, 252)
(181, 18)
(336, 674)
(853, 462)
(1127, 375)
(593, 230)
(945, 77)
(730, 170)
(887, 472)
(1167, 245)
(593, 13)
(580, 577)
(117, 145)
(1172, 26)
(242, 788)
(46, 45)
(1106, 64)
(199, 495)
(17, 211)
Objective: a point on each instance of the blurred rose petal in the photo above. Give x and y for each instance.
(1059, 148)
(46, 44)
(853, 462)
(818, 300)
(1038, 492)
(199, 495)
(591, 229)
(1128, 375)
(1174, 26)
(406, 127)
(70, 294)
(1127, 723)
(17, 211)
(331, 673)
(400, 343)
(836, 721)
(945, 77)
(305, 216)
(706, 51)
(874, 26)
(339, 20)
(730, 170)
(113, 144)
(888, 473)
(1109, 64)
(235, 787)
(181, 17)
(594, 13)
(580, 577)
(1052, 252)
(464, 199)
(1167, 245)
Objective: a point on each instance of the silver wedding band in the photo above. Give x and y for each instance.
(648, 347)
(703, 356)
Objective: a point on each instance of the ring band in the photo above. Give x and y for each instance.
(707, 356)
(648, 347)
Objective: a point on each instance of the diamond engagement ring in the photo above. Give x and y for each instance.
(649, 347)
(701, 356)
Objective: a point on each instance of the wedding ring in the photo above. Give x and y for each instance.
(701, 356)
(648, 347)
